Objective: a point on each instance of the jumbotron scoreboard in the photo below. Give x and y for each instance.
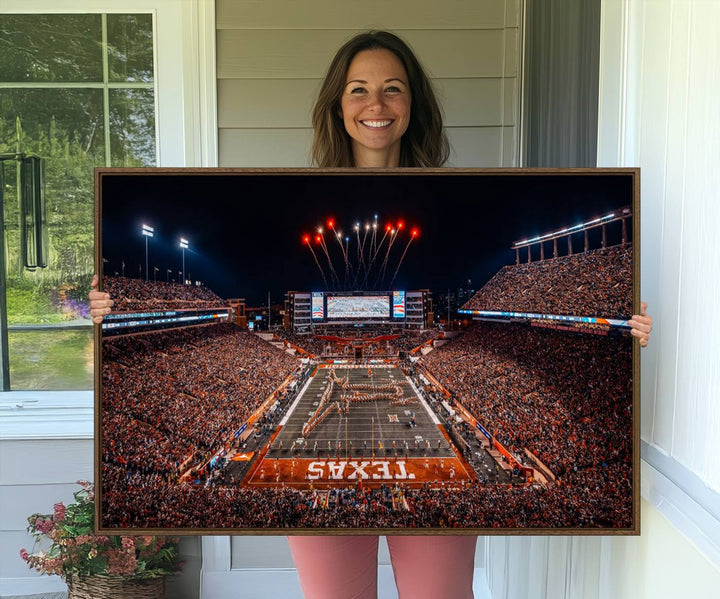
(406, 309)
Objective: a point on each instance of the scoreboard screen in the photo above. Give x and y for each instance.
(358, 307)
(318, 306)
(398, 304)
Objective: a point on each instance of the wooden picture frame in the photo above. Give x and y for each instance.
(524, 422)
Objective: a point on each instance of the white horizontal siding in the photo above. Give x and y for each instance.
(35, 475)
(399, 14)
(48, 461)
(19, 501)
(252, 54)
(265, 147)
(475, 146)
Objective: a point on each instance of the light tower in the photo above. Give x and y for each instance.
(147, 231)
(184, 245)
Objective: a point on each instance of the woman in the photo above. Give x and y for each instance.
(377, 109)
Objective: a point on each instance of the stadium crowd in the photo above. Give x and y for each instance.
(564, 396)
(324, 344)
(132, 295)
(596, 283)
(174, 395)
(149, 501)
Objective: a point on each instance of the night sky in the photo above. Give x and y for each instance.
(245, 229)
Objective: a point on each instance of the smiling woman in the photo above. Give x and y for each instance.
(364, 105)
(375, 107)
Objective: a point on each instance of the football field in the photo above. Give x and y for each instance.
(354, 424)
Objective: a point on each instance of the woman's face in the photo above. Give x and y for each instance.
(375, 107)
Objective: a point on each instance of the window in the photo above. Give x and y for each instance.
(78, 91)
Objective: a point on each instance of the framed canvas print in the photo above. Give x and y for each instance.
(341, 351)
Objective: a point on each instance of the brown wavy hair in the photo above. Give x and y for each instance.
(424, 144)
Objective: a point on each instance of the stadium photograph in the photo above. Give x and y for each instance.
(406, 351)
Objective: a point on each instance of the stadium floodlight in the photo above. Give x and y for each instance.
(570, 230)
(147, 231)
(184, 245)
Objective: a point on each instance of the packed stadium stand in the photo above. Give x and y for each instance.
(136, 294)
(597, 283)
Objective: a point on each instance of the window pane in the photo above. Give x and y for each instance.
(130, 48)
(65, 127)
(53, 121)
(54, 359)
(132, 127)
(50, 48)
(50, 332)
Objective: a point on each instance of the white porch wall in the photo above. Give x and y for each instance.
(659, 85)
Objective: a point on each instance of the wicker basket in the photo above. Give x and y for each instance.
(116, 587)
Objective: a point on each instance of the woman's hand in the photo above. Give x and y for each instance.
(641, 325)
(100, 302)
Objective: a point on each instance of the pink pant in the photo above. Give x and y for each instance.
(345, 567)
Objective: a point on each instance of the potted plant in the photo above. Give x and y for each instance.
(98, 566)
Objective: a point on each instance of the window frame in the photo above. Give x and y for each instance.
(186, 135)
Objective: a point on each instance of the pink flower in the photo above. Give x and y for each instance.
(44, 526)
(82, 539)
(121, 562)
(24, 555)
(59, 509)
(53, 565)
(128, 543)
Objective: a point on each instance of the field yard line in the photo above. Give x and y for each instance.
(433, 417)
(291, 409)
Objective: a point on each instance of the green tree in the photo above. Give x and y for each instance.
(66, 127)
